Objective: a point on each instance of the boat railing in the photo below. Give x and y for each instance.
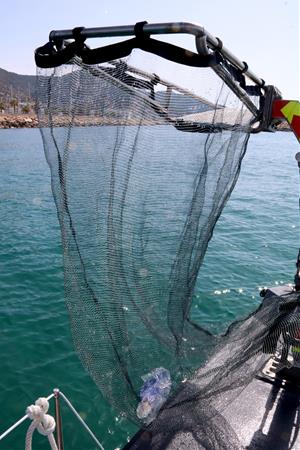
(56, 395)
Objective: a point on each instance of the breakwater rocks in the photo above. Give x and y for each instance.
(18, 121)
(31, 121)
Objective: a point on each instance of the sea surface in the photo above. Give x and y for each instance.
(255, 244)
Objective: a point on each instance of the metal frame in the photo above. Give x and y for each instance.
(161, 28)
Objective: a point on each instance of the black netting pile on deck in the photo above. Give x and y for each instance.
(141, 170)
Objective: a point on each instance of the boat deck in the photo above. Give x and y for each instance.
(264, 416)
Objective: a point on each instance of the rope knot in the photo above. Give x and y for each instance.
(47, 425)
(43, 422)
(38, 410)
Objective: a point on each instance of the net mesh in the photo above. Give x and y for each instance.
(141, 170)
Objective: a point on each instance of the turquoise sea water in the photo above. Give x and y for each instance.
(254, 244)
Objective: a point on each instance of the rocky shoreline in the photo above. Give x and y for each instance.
(18, 121)
(8, 121)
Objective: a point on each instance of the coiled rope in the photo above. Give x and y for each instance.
(43, 422)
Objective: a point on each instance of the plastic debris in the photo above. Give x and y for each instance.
(153, 394)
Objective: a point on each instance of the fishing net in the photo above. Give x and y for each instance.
(141, 170)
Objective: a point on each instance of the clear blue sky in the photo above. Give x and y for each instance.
(265, 33)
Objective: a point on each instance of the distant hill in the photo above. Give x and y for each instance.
(100, 101)
(21, 89)
(13, 85)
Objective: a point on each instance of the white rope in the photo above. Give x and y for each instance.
(15, 425)
(43, 422)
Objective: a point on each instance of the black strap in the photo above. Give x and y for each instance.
(49, 56)
(245, 68)
(220, 44)
(159, 48)
(238, 75)
(108, 52)
(176, 54)
(79, 39)
(139, 30)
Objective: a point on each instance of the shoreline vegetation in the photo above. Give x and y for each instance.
(11, 121)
